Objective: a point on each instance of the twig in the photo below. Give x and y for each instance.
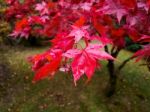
(125, 62)
(106, 49)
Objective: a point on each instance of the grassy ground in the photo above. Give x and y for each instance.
(18, 94)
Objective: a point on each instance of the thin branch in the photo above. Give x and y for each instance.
(125, 62)
(112, 50)
(106, 49)
(115, 53)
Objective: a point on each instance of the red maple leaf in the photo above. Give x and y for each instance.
(113, 7)
(48, 70)
(80, 22)
(128, 4)
(117, 35)
(85, 61)
(145, 52)
(46, 64)
(63, 41)
(144, 38)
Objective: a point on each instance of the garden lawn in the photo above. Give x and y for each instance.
(19, 94)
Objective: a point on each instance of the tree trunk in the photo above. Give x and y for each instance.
(111, 88)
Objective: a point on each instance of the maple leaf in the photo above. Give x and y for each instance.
(144, 52)
(133, 34)
(64, 4)
(42, 8)
(52, 26)
(71, 53)
(80, 22)
(117, 35)
(22, 28)
(114, 8)
(79, 33)
(143, 5)
(144, 38)
(148, 3)
(39, 60)
(117, 32)
(51, 5)
(38, 20)
(102, 39)
(21, 33)
(132, 20)
(21, 24)
(86, 6)
(105, 40)
(50, 67)
(96, 51)
(128, 4)
(99, 26)
(63, 41)
(85, 61)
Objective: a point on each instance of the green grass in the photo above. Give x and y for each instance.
(60, 94)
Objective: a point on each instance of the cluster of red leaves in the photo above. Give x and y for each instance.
(74, 22)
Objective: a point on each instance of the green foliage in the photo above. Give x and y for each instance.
(2, 8)
(4, 26)
(4, 32)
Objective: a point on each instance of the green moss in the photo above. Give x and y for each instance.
(60, 94)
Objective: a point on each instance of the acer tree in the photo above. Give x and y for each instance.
(82, 33)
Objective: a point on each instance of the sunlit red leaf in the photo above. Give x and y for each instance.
(85, 61)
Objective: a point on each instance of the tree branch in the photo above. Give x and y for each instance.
(125, 62)
(106, 49)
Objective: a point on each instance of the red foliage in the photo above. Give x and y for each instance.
(73, 21)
